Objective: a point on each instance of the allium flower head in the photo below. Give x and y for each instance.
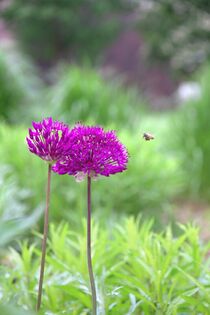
(93, 152)
(48, 139)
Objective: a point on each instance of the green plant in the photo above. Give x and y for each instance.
(137, 271)
(81, 94)
(190, 140)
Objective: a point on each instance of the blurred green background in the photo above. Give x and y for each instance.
(110, 63)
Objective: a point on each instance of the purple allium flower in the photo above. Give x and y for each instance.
(49, 139)
(93, 152)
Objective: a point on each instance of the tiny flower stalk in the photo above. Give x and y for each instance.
(50, 141)
(44, 242)
(94, 152)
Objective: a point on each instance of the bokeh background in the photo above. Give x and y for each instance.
(134, 66)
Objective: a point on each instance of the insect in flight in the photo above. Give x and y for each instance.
(147, 136)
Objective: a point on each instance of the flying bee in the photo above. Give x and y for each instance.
(147, 136)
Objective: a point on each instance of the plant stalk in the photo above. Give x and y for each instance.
(44, 242)
(90, 269)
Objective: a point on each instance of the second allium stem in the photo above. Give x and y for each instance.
(89, 259)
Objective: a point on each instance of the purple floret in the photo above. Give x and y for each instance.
(93, 152)
(49, 140)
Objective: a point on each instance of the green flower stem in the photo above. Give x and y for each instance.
(44, 242)
(90, 269)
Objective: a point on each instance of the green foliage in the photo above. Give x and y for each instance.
(10, 93)
(55, 29)
(13, 228)
(11, 310)
(199, 4)
(82, 94)
(19, 87)
(11, 208)
(9, 230)
(77, 94)
(14, 216)
(191, 143)
(148, 184)
(136, 271)
(183, 38)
